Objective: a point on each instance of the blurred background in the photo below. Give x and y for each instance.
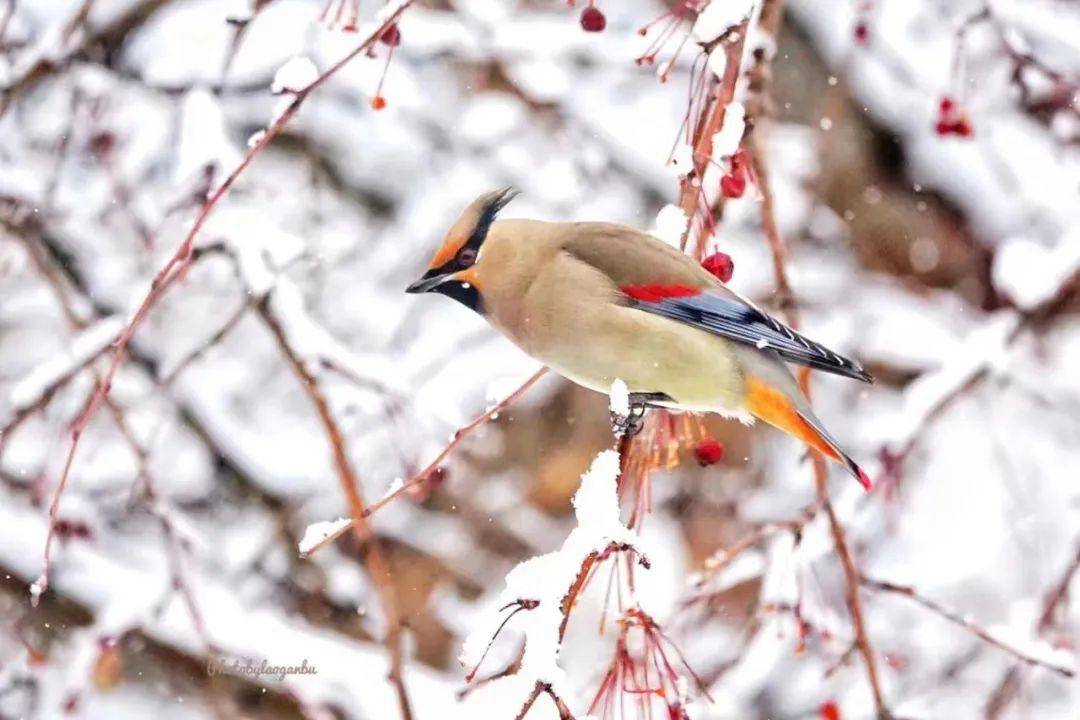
(924, 174)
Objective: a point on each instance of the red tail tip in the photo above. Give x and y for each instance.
(864, 480)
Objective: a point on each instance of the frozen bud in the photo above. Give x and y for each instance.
(709, 452)
(720, 265)
(108, 666)
(102, 144)
(592, 20)
(861, 32)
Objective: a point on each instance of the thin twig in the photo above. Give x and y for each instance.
(1006, 690)
(424, 475)
(821, 473)
(960, 621)
(176, 268)
(174, 547)
(707, 125)
(543, 687)
(376, 564)
(108, 36)
(209, 343)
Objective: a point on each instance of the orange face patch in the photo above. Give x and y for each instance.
(468, 275)
(448, 250)
(769, 404)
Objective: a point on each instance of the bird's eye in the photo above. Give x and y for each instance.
(466, 256)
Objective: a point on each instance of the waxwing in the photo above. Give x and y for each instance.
(596, 302)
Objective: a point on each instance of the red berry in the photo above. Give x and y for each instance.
(102, 143)
(378, 102)
(732, 186)
(943, 128)
(720, 265)
(592, 20)
(946, 105)
(709, 452)
(962, 127)
(829, 711)
(391, 36)
(862, 32)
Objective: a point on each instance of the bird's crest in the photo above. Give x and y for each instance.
(462, 243)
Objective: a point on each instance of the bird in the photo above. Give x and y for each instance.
(598, 302)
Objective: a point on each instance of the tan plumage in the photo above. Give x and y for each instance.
(591, 301)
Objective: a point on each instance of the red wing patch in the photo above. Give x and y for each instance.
(657, 292)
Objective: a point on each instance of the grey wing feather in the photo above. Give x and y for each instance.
(739, 320)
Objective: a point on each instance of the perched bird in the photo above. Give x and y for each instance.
(597, 302)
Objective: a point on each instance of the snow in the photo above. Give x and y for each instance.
(1030, 274)
(670, 224)
(204, 139)
(547, 579)
(727, 139)
(984, 349)
(620, 398)
(318, 532)
(334, 218)
(719, 17)
(91, 342)
(294, 76)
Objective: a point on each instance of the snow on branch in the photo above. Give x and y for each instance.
(41, 382)
(177, 265)
(1028, 650)
(547, 582)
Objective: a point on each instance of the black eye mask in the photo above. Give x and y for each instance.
(468, 253)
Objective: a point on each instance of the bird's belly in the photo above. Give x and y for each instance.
(695, 369)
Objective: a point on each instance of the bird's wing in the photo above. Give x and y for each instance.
(737, 319)
(630, 257)
(659, 279)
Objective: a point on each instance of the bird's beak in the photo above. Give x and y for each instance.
(425, 284)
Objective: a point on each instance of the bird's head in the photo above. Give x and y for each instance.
(453, 269)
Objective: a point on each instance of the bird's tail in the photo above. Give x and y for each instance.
(772, 405)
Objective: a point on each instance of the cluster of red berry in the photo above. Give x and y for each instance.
(952, 120)
(733, 184)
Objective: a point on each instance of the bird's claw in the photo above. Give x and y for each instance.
(630, 424)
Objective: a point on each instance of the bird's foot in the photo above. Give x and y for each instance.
(631, 424)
